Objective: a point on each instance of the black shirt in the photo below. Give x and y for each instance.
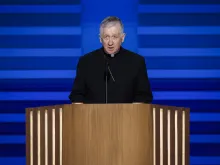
(127, 79)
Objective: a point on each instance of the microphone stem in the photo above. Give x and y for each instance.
(111, 74)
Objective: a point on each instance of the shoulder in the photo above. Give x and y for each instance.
(89, 56)
(135, 57)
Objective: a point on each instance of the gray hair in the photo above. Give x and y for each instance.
(111, 21)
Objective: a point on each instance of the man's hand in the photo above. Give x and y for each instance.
(137, 103)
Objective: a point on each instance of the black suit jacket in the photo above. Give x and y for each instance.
(127, 69)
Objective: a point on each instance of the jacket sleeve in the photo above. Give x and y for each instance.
(143, 91)
(79, 87)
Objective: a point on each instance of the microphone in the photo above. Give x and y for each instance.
(107, 68)
(110, 72)
(107, 77)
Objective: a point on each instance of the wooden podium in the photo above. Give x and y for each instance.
(107, 134)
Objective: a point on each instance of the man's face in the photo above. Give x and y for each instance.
(112, 38)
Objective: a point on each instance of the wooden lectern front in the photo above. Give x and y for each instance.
(107, 134)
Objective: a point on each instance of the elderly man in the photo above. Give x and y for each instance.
(111, 74)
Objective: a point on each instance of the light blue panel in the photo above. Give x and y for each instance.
(25, 52)
(205, 160)
(161, 95)
(184, 73)
(27, 74)
(179, 30)
(20, 139)
(194, 117)
(200, 52)
(95, 11)
(13, 117)
(193, 161)
(40, 8)
(187, 95)
(204, 138)
(40, 31)
(205, 117)
(13, 160)
(31, 74)
(179, 8)
(12, 139)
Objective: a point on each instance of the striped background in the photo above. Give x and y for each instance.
(41, 41)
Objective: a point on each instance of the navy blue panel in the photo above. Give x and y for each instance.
(19, 106)
(40, 41)
(10, 150)
(70, 63)
(195, 105)
(36, 2)
(204, 150)
(66, 84)
(204, 128)
(160, 95)
(12, 128)
(179, 2)
(38, 63)
(182, 41)
(165, 19)
(40, 19)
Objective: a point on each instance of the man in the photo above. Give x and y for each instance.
(111, 74)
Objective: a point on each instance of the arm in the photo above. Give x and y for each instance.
(78, 91)
(143, 93)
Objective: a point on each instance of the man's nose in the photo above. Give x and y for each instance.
(110, 42)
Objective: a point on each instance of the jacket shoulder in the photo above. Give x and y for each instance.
(134, 56)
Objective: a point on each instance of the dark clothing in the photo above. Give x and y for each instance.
(129, 81)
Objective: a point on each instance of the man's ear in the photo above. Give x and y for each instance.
(100, 39)
(123, 37)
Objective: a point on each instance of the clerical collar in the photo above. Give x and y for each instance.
(109, 55)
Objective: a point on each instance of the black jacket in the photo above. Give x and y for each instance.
(127, 80)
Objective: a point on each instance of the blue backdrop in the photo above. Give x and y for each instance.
(42, 40)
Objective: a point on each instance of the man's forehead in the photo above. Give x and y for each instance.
(112, 29)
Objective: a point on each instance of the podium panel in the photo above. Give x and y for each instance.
(110, 134)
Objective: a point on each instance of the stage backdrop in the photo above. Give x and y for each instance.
(42, 40)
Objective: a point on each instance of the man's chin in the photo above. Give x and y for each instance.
(111, 51)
